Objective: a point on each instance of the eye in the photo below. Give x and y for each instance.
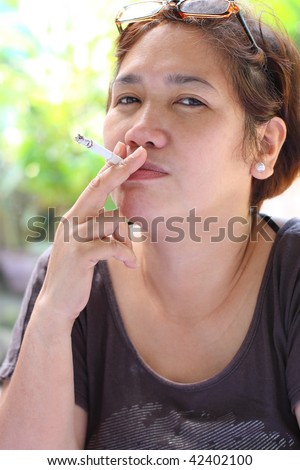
(189, 101)
(128, 100)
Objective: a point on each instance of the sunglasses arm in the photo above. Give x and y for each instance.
(247, 31)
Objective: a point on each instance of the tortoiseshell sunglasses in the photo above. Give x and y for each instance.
(144, 11)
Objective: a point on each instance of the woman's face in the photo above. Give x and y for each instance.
(172, 96)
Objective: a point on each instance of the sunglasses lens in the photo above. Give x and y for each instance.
(205, 7)
(136, 11)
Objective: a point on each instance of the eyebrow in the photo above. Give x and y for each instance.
(180, 79)
(171, 79)
(129, 79)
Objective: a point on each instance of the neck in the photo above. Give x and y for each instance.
(197, 268)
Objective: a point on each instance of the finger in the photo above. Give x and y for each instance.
(120, 149)
(96, 193)
(110, 248)
(129, 165)
(101, 226)
(122, 233)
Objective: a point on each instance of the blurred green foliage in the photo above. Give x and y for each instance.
(55, 64)
(54, 74)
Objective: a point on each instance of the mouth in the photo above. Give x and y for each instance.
(148, 171)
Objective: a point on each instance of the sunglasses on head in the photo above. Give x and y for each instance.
(144, 11)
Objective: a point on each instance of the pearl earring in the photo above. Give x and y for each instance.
(260, 167)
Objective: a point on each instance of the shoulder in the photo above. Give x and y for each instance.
(286, 249)
(100, 281)
(36, 281)
(284, 265)
(284, 236)
(288, 238)
(42, 264)
(100, 277)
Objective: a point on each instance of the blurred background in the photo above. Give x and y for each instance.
(56, 60)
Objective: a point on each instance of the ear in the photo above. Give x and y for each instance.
(272, 137)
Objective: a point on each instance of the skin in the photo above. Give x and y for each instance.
(193, 132)
(192, 129)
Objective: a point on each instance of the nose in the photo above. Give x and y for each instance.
(146, 131)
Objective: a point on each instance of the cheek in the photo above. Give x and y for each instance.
(114, 130)
(108, 132)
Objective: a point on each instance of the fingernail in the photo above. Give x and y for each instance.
(138, 152)
(118, 148)
(132, 264)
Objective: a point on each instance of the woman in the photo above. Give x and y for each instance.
(187, 336)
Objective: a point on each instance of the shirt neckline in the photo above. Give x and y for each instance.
(240, 354)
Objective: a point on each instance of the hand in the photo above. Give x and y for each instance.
(86, 235)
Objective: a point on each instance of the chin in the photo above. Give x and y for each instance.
(136, 206)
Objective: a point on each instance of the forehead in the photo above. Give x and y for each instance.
(174, 48)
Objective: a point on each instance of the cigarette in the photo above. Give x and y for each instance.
(99, 149)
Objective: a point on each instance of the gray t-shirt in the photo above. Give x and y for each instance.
(246, 406)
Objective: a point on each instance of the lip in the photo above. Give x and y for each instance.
(148, 171)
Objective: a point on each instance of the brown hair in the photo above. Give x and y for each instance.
(267, 85)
